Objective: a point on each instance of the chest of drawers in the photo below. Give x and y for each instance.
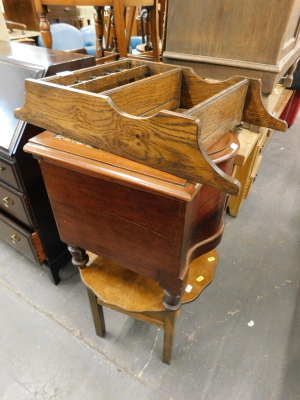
(26, 219)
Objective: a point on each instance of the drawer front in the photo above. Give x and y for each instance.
(14, 204)
(61, 11)
(70, 21)
(26, 242)
(9, 174)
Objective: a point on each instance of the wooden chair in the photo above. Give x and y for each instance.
(120, 289)
(119, 21)
(66, 37)
(18, 32)
(11, 25)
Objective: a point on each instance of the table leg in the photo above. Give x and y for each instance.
(170, 320)
(171, 301)
(79, 256)
(97, 313)
(45, 30)
(99, 29)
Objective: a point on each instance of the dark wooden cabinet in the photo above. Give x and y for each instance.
(24, 11)
(26, 219)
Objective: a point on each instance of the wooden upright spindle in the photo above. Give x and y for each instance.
(79, 256)
(153, 12)
(148, 46)
(99, 29)
(113, 36)
(45, 30)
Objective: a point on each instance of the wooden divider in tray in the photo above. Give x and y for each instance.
(156, 114)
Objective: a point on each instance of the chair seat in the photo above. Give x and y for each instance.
(65, 37)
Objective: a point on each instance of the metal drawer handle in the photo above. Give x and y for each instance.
(8, 201)
(67, 9)
(2, 169)
(15, 238)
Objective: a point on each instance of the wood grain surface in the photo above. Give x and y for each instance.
(167, 141)
(133, 292)
(136, 120)
(141, 213)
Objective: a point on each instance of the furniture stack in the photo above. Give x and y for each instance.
(222, 39)
(248, 38)
(137, 162)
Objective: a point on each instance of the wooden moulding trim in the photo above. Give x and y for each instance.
(288, 60)
(192, 250)
(222, 61)
(179, 283)
(50, 140)
(113, 173)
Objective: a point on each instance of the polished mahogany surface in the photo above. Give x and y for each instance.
(136, 216)
(48, 59)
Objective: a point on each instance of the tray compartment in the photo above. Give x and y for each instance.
(136, 116)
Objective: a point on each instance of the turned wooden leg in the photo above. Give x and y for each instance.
(171, 301)
(45, 30)
(154, 32)
(131, 19)
(119, 23)
(170, 321)
(97, 313)
(148, 46)
(113, 35)
(99, 29)
(79, 256)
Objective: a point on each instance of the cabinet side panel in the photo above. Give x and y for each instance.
(138, 230)
(248, 30)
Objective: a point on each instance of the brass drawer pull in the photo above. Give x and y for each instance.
(2, 169)
(8, 201)
(15, 238)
